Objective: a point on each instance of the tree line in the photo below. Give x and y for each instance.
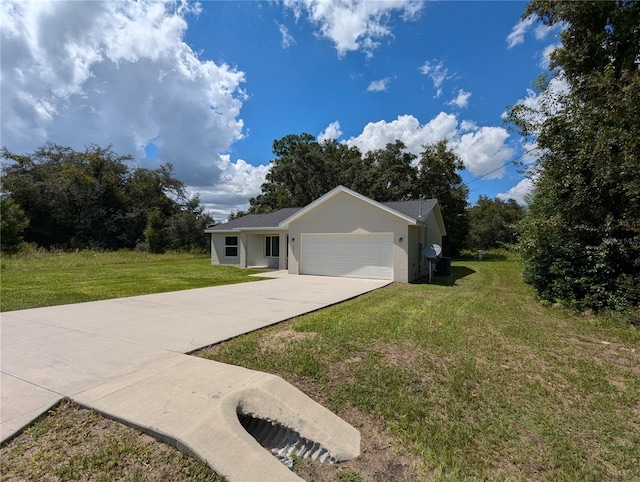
(60, 198)
(581, 237)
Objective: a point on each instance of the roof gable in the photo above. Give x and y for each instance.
(341, 189)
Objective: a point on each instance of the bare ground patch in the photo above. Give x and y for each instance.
(278, 340)
(381, 458)
(609, 352)
(404, 356)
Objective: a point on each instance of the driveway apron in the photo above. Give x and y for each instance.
(79, 351)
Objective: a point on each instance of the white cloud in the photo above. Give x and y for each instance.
(376, 135)
(116, 73)
(332, 131)
(531, 153)
(287, 38)
(518, 192)
(467, 125)
(542, 31)
(437, 72)
(482, 149)
(461, 100)
(239, 181)
(516, 37)
(545, 57)
(378, 85)
(354, 25)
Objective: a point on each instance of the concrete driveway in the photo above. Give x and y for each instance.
(66, 351)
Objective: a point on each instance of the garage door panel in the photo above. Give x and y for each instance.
(358, 256)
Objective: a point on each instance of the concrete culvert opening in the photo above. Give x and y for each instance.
(282, 441)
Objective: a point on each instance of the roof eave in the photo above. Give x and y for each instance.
(239, 230)
(231, 230)
(266, 228)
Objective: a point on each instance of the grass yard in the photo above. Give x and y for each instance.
(75, 444)
(465, 379)
(48, 279)
(468, 379)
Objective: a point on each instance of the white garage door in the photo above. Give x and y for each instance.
(349, 255)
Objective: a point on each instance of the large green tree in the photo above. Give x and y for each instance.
(438, 177)
(388, 174)
(94, 199)
(304, 170)
(69, 196)
(581, 239)
(493, 223)
(185, 228)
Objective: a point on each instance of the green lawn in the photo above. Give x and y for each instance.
(47, 279)
(71, 443)
(472, 378)
(465, 379)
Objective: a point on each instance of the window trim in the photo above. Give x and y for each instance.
(228, 245)
(269, 245)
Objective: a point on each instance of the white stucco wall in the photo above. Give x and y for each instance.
(346, 214)
(217, 249)
(416, 238)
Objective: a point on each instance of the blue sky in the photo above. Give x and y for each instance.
(209, 86)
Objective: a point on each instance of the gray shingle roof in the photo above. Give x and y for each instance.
(270, 220)
(418, 209)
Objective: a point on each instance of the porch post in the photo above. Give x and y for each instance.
(243, 250)
(282, 258)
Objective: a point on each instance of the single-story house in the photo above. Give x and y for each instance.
(342, 233)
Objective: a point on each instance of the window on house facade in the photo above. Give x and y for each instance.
(231, 246)
(272, 246)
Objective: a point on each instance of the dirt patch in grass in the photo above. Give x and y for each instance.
(609, 352)
(71, 443)
(278, 340)
(404, 356)
(380, 457)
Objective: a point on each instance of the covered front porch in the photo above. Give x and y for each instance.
(266, 249)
